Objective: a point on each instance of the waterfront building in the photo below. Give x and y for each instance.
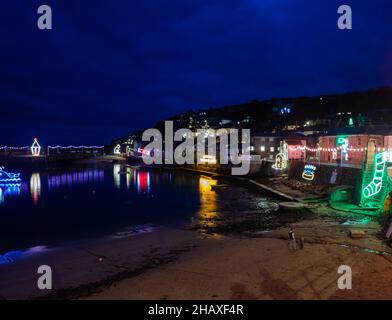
(267, 145)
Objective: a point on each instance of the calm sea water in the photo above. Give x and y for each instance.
(59, 205)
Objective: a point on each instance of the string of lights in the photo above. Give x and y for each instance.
(75, 147)
(379, 149)
(53, 147)
(14, 148)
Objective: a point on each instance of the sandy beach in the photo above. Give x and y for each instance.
(235, 252)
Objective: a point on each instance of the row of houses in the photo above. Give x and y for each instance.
(345, 146)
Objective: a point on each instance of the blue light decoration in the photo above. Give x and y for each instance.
(8, 179)
(308, 173)
(284, 109)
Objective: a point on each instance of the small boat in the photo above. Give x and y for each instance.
(8, 178)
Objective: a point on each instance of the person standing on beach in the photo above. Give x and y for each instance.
(292, 241)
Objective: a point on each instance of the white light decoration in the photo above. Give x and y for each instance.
(117, 149)
(35, 148)
(281, 159)
(76, 147)
(208, 159)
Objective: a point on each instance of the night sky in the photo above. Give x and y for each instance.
(110, 67)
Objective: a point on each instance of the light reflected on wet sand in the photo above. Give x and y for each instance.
(208, 201)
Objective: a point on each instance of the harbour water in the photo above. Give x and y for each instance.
(57, 205)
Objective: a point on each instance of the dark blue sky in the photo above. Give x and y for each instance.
(109, 67)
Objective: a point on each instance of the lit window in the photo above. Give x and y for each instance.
(272, 149)
(262, 148)
(252, 148)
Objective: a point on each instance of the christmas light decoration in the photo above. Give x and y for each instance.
(344, 147)
(14, 148)
(117, 149)
(35, 148)
(375, 185)
(308, 173)
(206, 159)
(142, 151)
(8, 179)
(76, 147)
(281, 158)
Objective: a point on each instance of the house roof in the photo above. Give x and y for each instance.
(285, 135)
(371, 129)
(293, 142)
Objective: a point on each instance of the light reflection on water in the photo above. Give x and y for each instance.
(57, 205)
(76, 177)
(35, 187)
(139, 179)
(8, 192)
(133, 177)
(116, 175)
(16, 255)
(53, 181)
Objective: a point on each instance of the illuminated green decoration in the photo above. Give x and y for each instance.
(350, 122)
(341, 140)
(375, 185)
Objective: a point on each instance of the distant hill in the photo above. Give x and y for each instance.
(372, 107)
